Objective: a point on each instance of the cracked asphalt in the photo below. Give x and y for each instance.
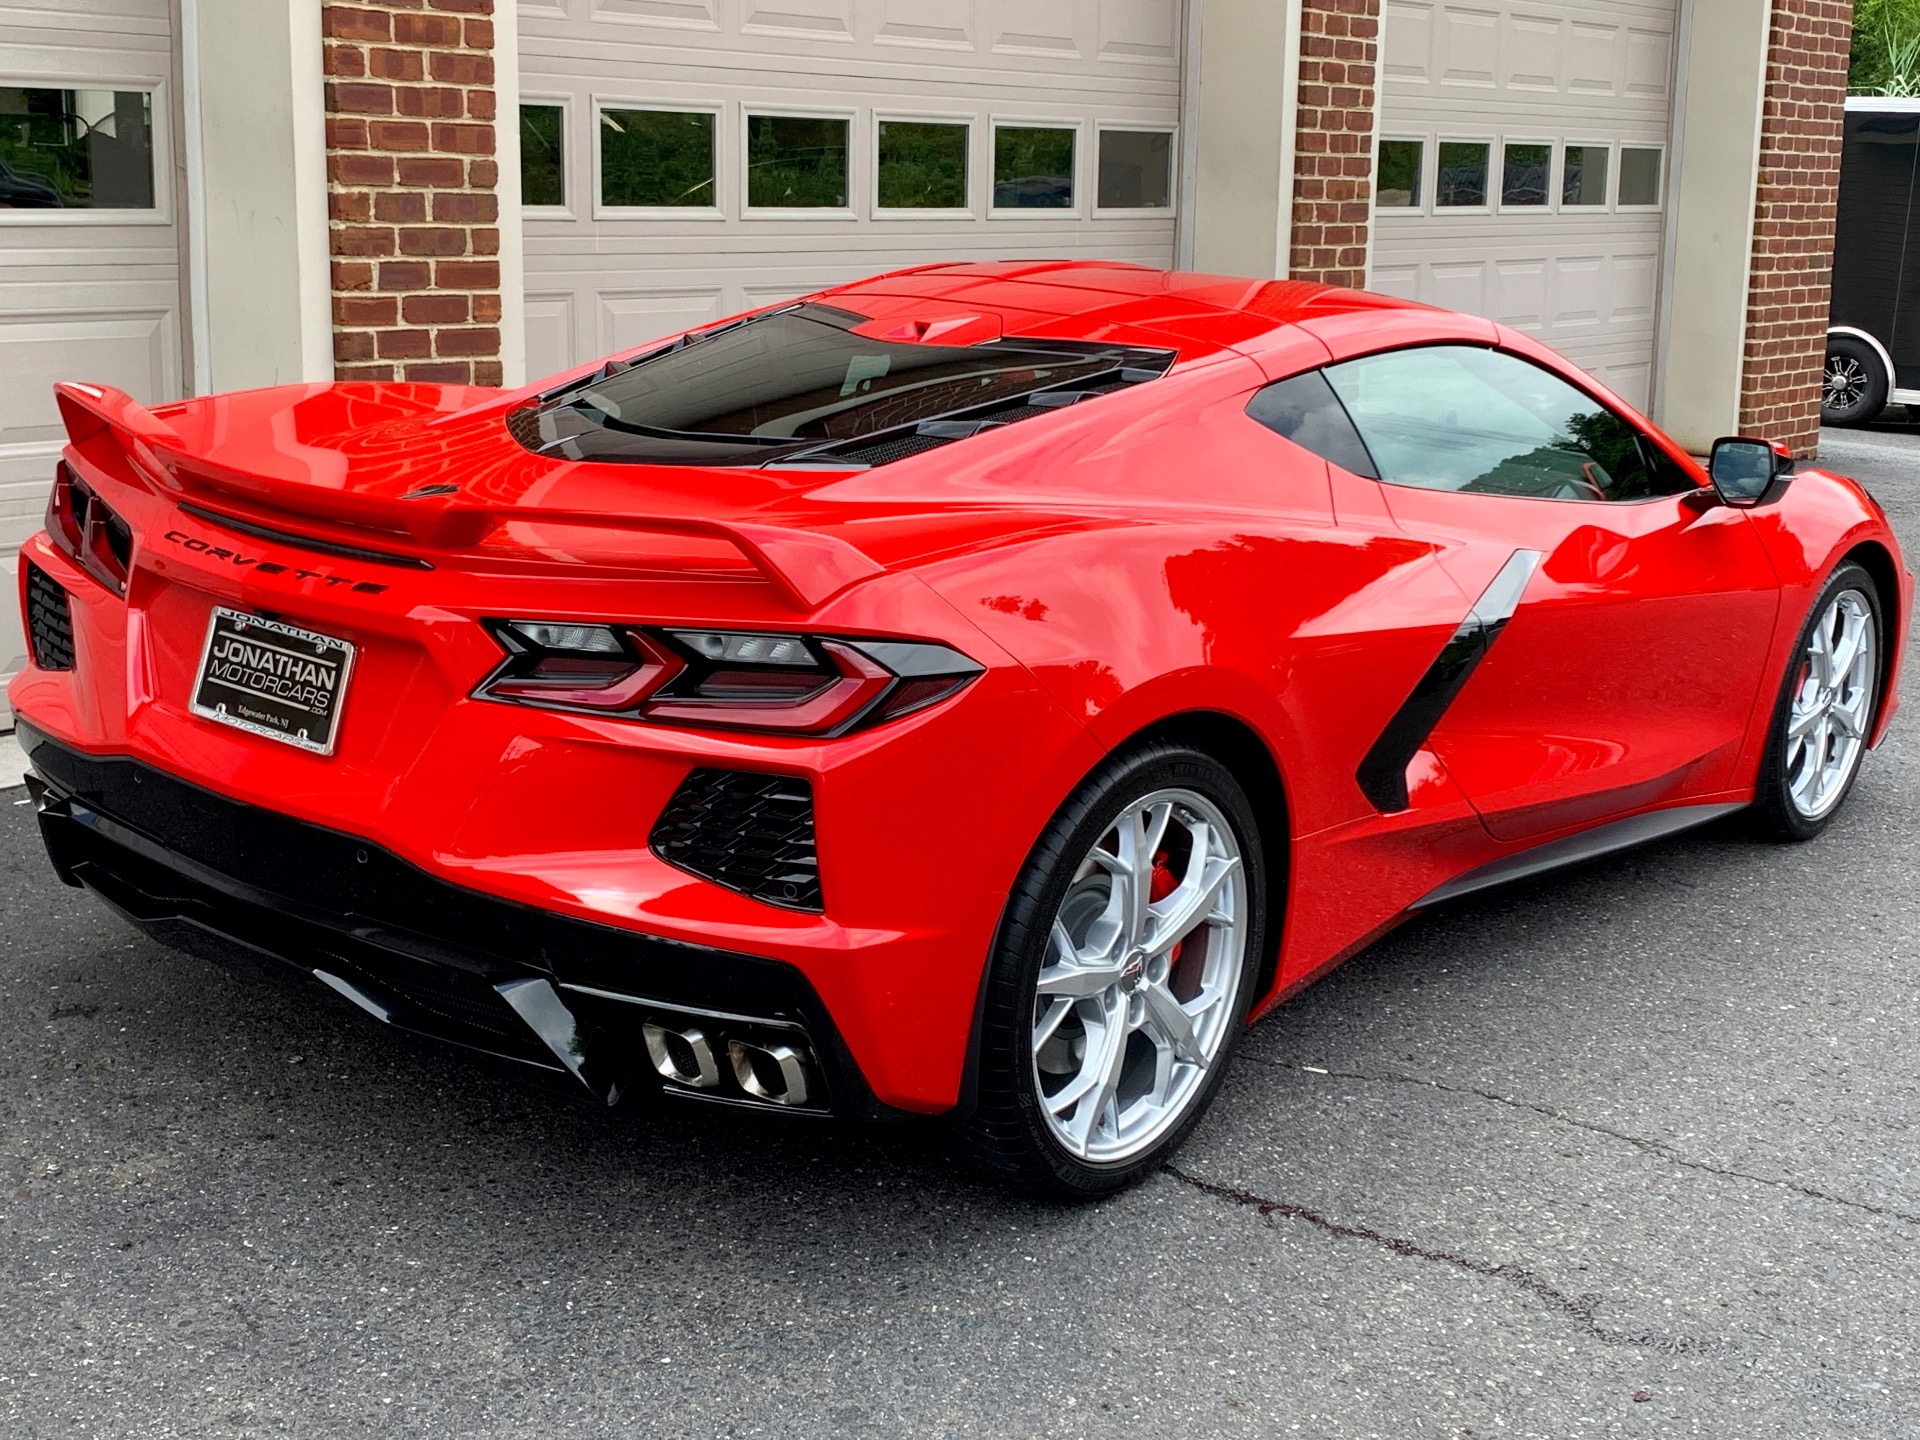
(1631, 1150)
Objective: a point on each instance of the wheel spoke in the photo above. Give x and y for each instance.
(1050, 1023)
(1820, 653)
(1191, 903)
(1174, 1025)
(1850, 725)
(1078, 982)
(1801, 721)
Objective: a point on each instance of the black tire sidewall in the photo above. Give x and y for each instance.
(1873, 399)
(1009, 1117)
(1774, 807)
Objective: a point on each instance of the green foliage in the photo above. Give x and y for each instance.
(1886, 48)
(656, 157)
(922, 166)
(542, 161)
(794, 162)
(1033, 167)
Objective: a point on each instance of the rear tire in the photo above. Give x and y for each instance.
(1853, 384)
(1825, 712)
(1121, 976)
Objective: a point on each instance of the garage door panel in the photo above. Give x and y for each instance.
(947, 24)
(632, 275)
(678, 14)
(627, 320)
(815, 19)
(1585, 279)
(129, 350)
(1469, 46)
(1649, 63)
(1409, 30)
(85, 293)
(550, 332)
(1530, 52)
(1520, 293)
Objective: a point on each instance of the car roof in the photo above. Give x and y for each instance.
(1108, 300)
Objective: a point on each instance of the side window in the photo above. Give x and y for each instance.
(1460, 417)
(1305, 410)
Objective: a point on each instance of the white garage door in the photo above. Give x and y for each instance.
(89, 259)
(1522, 169)
(686, 159)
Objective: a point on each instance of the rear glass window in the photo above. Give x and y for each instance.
(800, 379)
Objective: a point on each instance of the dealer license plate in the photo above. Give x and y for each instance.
(273, 679)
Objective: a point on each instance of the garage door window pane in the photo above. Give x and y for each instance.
(543, 179)
(1639, 176)
(1523, 179)
(796, 162)
(1399, 182)
(1136, 170)
(922, 166)
(75, 149)
(1457, 417)
(1463, 174)
(1584, 181)
(1032, 168)
(656, 157)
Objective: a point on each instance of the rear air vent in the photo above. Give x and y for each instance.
(745, 830)
(49, 622)
(524, 425)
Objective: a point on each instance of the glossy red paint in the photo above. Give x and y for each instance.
(1115, 566)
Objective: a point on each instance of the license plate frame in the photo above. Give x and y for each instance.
(309, 671)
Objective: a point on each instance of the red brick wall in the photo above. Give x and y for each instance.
(1333, 148)
(1800, 133)
(412, 181)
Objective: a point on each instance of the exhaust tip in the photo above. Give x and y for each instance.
(776, 1074)
(684, 1057)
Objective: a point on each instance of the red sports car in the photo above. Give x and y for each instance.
(977, 690)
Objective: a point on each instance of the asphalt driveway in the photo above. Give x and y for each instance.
(1631, 1150)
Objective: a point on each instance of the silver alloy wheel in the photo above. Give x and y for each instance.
(1845, 382)
(1137, 994)
(1832, 705)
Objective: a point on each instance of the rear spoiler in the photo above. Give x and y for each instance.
(806, 567)
(86, 410)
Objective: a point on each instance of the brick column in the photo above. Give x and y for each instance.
(415, 216)
(1333, 145)
(1794, 207)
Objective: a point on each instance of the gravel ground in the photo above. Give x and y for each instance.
(1631, 1150)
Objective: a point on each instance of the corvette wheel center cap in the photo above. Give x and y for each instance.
(1133, 973)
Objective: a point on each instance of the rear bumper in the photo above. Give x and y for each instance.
(206, 874)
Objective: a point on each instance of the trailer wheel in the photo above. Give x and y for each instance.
(1854, 385)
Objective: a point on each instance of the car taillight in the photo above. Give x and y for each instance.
(800, 684)
(85, 527)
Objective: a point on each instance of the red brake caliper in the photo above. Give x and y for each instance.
(1162, 885)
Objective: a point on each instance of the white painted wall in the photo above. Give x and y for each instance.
(1717, 167)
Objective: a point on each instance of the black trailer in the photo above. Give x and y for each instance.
(1873, 334)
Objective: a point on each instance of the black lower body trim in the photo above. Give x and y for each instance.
(213, 876)
(1572, 849)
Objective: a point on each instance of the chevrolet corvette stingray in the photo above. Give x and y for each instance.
(978, 690)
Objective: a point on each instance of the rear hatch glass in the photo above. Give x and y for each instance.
(799, 384)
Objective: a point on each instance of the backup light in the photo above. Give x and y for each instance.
(798, 684)
(589, 639)
(746, 649)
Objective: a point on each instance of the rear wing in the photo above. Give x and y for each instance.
(804, 566)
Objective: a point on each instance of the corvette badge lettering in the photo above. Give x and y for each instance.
(268, 567)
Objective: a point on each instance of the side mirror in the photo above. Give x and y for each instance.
(1749, 472)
